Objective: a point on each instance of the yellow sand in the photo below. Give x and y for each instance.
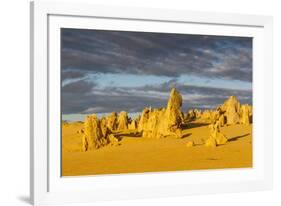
(137, 155)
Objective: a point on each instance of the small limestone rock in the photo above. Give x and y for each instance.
(221, 139)
(189, 144)
(113, 140)
(215, 135)
(211, 142)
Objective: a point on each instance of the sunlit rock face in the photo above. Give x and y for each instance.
(93, 137)
(162, 122)
(173, 113)
(104, 129)
(143, 120)
(173, 117)
(216, 137)
(222, 120)
(246, 114)
(132, 125)
(153, 128)
(235, 113)
(111, 121)
(231, 107)
(122, 121)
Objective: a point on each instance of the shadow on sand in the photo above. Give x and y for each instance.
(186, 135)
(194, 125)
(237, 137)
(132, 134)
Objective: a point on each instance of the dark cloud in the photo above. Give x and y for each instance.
(80, 86)
(143, 53)
(91, 99)
(198, 90)
(88, 52)
(72, 74)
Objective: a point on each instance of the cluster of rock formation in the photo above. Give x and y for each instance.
(156, 123)
(229, 113)
(163, 122)
(99, 132)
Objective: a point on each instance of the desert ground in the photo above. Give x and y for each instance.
(135, 154)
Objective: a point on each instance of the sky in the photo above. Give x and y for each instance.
(104, 71)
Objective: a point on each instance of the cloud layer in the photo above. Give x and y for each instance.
(88, 53)
(103, 100)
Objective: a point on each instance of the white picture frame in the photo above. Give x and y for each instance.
(47, 186)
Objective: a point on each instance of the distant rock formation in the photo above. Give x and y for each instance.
(104, 129)
(246, 114)
(153, 127)
(206, 114)
(229, 113)
(122, 121)
(192, 114)
(111, 121)
(133, 125)
(231, 108)
(143, 120)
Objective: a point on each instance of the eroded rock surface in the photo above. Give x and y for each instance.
(122, 121)
(93, 137)
(245, 114)
(133, 125)
(231, 107)
(163, 122)
(216, 137)
(111, 121)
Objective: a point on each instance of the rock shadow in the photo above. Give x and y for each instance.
(194, 125)
(120, 135)
(238, 137)
(211, 158)
(186, 135)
